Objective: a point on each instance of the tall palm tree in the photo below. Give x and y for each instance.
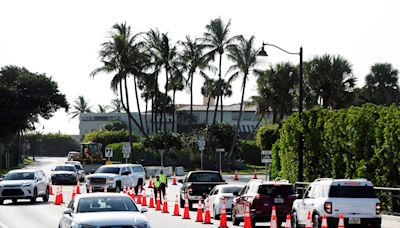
(102, 108)
(261, 109)
(177, 83)
(244, 58)
(116, 105)
(217, 39)
(80, 106)
(208, 90)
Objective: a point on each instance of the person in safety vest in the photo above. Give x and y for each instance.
(157, 188)
(163, 180)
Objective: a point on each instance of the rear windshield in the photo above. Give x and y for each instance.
(65, 168)
(114, 170)
(276, 190)
(19, 176)
(231, 189)
(352, 192)
(205, 177)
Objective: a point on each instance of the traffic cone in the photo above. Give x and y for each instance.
(50, 189)
(158, 202)
(324, 223)
(309, 222)
(128, 191)
(57, 200)
(199, 212)
(176, 207)
(288, 223)
(124, 189)
(165, 204)
(78, 188)
(236, 178)
(90, 189)
(61, 195)
(186, 210)
(150, 182)
(133, 194)
(207, 217)
(341, 221)
(73, 192)
(247, 218)
(255, 174)
(274, 223)
(144, 200)
(222, 221)
(151, 203)
(174, 180)
(139, 196)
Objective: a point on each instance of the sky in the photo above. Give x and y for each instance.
(63, 38)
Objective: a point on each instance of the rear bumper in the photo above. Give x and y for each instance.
(365, 222)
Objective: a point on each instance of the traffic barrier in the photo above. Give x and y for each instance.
(139, 196)
(151, 203)
(341, 221)
(158, 202)
(222, 221)
(150, 182)
(288, 223)
(176, 207)
(247, 218)
(207, 217)
(144, 196)
(309, 222)
(57, 201)
(174, 180)
(186, 209)
(236, 178)
(73, 192)
(61, 195)
(50, 189)
(324, 223)
(199, 212)
(165, 204)
(274, 223)
(255, 174)
(78, 188)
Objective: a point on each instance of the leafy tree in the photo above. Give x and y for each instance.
(102, 108)
(106, 137)
(114, 125)
(116, 105)
(81, 105)
(208, 90)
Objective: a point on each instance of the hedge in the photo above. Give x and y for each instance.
(144, 156)
(108, 137)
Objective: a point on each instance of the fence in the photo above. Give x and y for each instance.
(390, 197)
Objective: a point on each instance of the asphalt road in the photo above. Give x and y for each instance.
(46, 215)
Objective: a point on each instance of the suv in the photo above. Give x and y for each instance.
(261, 196)
(356, 199)
(115, 177)
(79, 169)
(24, 184)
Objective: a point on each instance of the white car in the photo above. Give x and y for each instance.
(79, 169)
(24, 184)
(103, 210)
(355, 198)
(220, 193)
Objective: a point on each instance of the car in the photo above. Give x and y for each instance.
(24, 184)
(64, 174)
(218, 195)
(103, 210)
(115, 177)
(198, 183)
(261, 196)
(79, 169)
(73, 155)
(355, 198)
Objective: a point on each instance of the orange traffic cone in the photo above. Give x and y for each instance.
(274, 223)
(158, 202)
(139, 196)
(73, 192)
(309, 222)
(78, 188)
(90, 189)
(150, 182)
(255, 174)
(57, 200)
(186, 210)
(151, 203)
(247, 218)
(176, 207)
(324, 223)
(50, 189)
(341, 221)
(128, 191)
(207, 217)
(174, 180)
(288, 223)
(199, 212)
(61, 195)
(222, 221)
(165, 204)
(236, 178)
(144, 201)
(124, 189)
(133, 194)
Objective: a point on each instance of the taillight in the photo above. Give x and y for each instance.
(378, 208)
(257, 196)
(328, 207)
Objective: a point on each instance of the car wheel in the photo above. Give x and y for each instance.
(235, 221)
(1, 201)
(316, 223)
(216, 216)
(295, 223)
(33, 199)
(14, 201)
(46, 196)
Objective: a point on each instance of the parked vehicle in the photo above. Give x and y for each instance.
(73, 156)
(24, 184)
(103, 210)
(115, 177)
(222, 194)
(64, 174)
(91, 156)
(79, 169)
(198, 183)
(261, 196)
(356, 199)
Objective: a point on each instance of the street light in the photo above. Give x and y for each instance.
(300, 145)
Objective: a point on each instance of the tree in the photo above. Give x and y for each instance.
(177, 83)
(330, 80)
(116, 105)
(102, 108)
(244, 58)
(114, 125)
(217, 39)
(81, 105)
(208, 90)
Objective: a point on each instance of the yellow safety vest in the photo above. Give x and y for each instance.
(163, 178)
(156, 183)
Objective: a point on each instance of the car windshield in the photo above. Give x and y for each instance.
(205, 177)
(114, 170)
(78, 167)
(231, 189)
(276, 190)
(352, 192)
(102, 204)
(64, 168)
(20, 176)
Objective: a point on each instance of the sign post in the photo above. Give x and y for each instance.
(266, 157)
(220, 150)
(109, 153)
(201, 143)
(162, 151)
(126, 151)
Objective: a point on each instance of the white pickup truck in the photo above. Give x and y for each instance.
(115, 177)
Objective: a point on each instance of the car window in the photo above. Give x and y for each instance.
(137, 169)
(205, 177)
(20, 176)
(276, 190)
(65, 168)
(71, 204)
(244, 190)
(105, 169)
(101, 204)
(212, 191)
(78, 167)
(310, 192)
(352, 192)
(44, 175)
(231, 189)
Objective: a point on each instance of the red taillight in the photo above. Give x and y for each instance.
(328, 207)
(378, 208)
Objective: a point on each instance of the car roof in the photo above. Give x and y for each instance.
(344, 182)
(230, 185)
(204, 171)
(100, 194)
(68, 165)
(74, 152)
(72, 163)
(277, 182)
(120, 165)
(23, 171)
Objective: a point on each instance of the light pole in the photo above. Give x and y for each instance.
(300, 136)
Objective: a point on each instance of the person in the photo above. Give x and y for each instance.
(157, 188)
(163, 180)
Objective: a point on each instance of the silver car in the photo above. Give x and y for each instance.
(97, 210)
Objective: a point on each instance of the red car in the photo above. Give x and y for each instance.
(261, 196)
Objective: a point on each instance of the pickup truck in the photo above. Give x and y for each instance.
(198, 183)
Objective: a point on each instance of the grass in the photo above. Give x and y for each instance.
(25, 162)
(248, 171)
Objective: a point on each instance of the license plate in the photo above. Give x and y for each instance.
(278, 200)
(354, 221)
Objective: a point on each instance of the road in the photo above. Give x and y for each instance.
(46, 215)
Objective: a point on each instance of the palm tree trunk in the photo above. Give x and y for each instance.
(254, 129)
(173, 110)
(215, 111)
(128, 112)
(152, 114)
(137, 102)
(222, 109)
(208, 107)
(165, 103)
(191, 103)
(145, 116)
(220, 85)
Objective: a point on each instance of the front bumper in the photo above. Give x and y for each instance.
(365, 222)
(100, 188)
(64, 179)
(16, 192)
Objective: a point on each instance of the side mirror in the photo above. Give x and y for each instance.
(143, 209)
(235, 193)
(68, 211)
(180, 181)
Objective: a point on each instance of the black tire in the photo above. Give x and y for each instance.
(235, 221)
(316, 221)
(181, 202)
(1, 201)
(14, 201)
(295, 223)
(33, 198)
(216, 216)
(46, 196)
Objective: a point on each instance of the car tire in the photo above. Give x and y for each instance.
(235, 221)
(216, 216)
(295, 223)
(14, 201)
(33, 198)
(46, 196)
(1, 201)
(181, 202)
(316, 221)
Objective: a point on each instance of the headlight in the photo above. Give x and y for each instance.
(110, 180)
(142, 225)
(26, 184)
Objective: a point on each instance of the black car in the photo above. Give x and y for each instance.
(64, 174)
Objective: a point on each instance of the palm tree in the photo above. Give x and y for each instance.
(261, 109)
(102, 108)
(80, 106)
(208, 90)
(177, 83)
(217, 39)
(244, 58)
(116, 105)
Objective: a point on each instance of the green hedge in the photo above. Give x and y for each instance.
(267, 136)
(52, 144)
(144, 156)
(108, 137)
(249, 152)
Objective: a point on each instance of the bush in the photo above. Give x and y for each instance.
(51, 144)
(108, 137)
(114, 125)
(144, 156)
(267, 136)
(249, 152)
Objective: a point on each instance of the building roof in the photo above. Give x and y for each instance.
(232, 108)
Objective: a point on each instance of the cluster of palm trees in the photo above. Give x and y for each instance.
(81, 105)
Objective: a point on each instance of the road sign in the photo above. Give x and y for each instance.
(126, 148)
(266, 156)
(201, 142)
(109, 152)
(220, 150)
(126, 155)
(201, 148)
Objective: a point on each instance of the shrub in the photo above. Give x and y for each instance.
(249, 152)
(107, 137)
(267, 136)
(114, 125)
